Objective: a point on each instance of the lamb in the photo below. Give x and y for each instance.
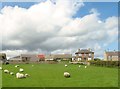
(21, 70)
(66, 65)
(20, 75)
(0, 68)
(27, 75)
(66, 74)
(32, 65)
(6, 71)
(11, 73)
(16, 65)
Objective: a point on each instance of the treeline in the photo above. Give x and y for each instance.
(105, 63)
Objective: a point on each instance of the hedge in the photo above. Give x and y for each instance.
(105, 63)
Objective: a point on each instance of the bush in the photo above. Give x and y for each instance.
(105, 63)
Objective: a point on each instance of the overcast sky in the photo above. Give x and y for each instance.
(58, 27)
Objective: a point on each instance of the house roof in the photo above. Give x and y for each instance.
(113, 53)
(59, 56)
(84, 51)
(41, 56)
(15, 58)
(63, 56)
(31, 56)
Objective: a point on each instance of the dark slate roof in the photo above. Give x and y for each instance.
(63, 56)
(59, 56)
(84, 51)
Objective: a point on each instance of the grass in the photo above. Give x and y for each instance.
(51, 75)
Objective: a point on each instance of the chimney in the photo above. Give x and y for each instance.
(78, 50)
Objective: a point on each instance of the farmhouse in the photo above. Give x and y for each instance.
(84, 55)
(3, 58)
(112, 55)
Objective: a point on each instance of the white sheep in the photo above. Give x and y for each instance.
(66, 65)
(66, 74)
(79, 65)
(0, 68)
(6, 71)
(20, 75)
(16, 65)
(27, 75)
(21, 70)
(11, 73)
(85, 66)
(32, 65)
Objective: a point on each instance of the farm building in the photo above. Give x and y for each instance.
(29, 58)
(3, 58)
(41, 57)
(84, 55)
(15, 59)
(58, 57)
(24, 58)
(63, 56)
(112, 55)
(49, 57)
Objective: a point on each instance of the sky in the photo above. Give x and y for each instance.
(58, 27)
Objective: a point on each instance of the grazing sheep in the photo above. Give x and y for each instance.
(11, 73)
(20, 75)
(66, 74)
(0, 68)
(32, 65)
(85, 66)
(27, 75)
(6, 71)
(66, 65)
(79, 65)
(21, 70)
(16, 66)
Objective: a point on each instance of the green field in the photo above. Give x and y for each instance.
(51, 75)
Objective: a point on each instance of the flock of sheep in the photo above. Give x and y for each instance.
(19, 75)
(67, 74)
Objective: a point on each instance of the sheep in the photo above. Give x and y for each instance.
(6, 71)
(85, 66)
(79, 65)
(32, 65)
(66, 74)
(66, 65)
(27, 75)
(20, 75)
(0, 68)
(16, 66)
(11, 73)
(21, 70)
